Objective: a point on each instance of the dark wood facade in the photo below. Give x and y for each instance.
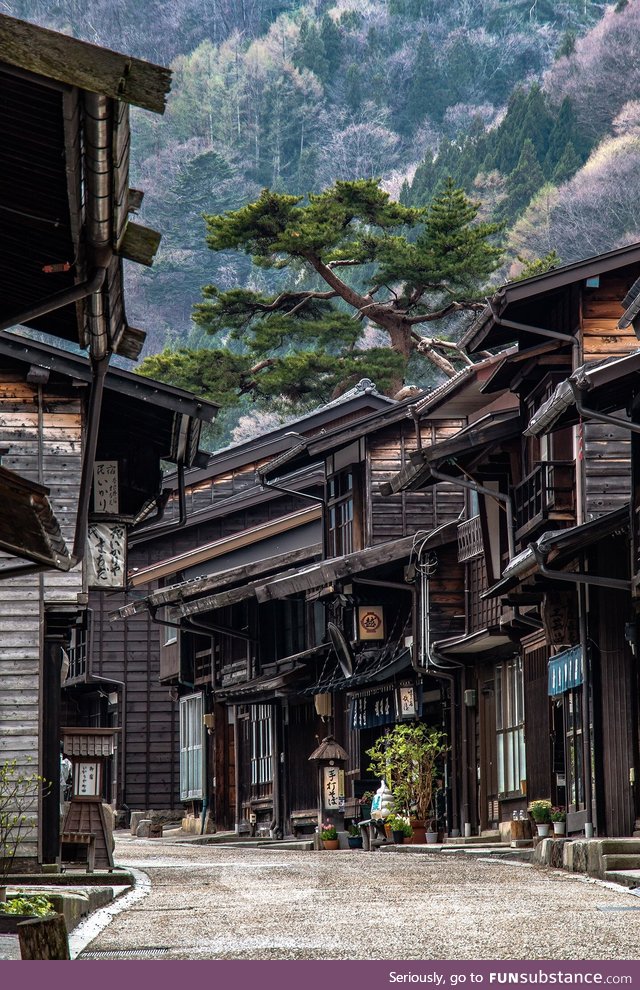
(576, 742)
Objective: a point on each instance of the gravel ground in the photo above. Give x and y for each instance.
(208, 902)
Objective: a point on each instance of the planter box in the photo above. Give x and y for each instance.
(9, 922)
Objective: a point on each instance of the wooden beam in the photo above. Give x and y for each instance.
(78, 63)
(334, 570)
(139, 243)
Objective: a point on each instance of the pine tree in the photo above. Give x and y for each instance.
(349, 256)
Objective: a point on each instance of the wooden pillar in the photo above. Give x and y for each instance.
(50, 770)
(220, 769)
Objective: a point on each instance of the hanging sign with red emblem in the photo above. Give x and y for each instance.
(370, 622)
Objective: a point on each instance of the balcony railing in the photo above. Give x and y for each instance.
(77, 661)
(470, 539)
(548, 493)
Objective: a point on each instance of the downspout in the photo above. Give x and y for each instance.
(140, 534)
(290, 491)
(600, 417)
(438, 671)
(123, 728)
(577, 577)
(475, 487)
(541, 332)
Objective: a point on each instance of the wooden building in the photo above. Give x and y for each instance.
(81, 445)
(544, 550)
(227, 524)
(273, 647)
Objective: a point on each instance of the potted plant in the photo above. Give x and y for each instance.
(400, 828)
(329, 836)
(354, 838)
(22, 907)
(407, 757)
(559, 819)
(540, 811)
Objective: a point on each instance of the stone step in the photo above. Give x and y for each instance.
(626, 878)
(471, 840)
(626, 846)
(620, 861)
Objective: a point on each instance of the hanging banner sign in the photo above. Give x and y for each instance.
(333, 788)
(373, 710)
(106, 557)
(565, 671)
(370, 622)
(407, 701)
(105, 487)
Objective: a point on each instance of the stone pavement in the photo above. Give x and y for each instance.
(218, 901)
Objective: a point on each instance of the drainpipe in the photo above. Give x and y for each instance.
(578, 577)
(123, 733)
(140, 534)
(475, 487)
(600, 417)
(570, 338)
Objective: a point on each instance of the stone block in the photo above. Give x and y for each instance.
(136, 818)
(165, 817)
(143, 829)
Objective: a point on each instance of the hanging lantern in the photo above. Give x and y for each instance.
(323, 705)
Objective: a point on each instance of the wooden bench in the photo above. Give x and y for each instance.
(373, 834)
(87, 839)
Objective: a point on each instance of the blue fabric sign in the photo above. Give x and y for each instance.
(565, 671)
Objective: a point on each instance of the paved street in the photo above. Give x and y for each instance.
(208, 902)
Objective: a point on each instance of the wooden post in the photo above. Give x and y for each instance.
(51, 750)
(44, 938)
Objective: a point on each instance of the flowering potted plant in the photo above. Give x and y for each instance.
(400, 828)
(559, 819)
(540, 811)
(329, 836)
(354, 837)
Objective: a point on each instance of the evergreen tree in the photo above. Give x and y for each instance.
(537, 123)
(567, 46)
(522, 184)
(310, 52)
(304, 342)
(568, 165)
(538, 266)
(427, 95)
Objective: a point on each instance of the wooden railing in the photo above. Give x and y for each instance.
(470, 539)
(547, 493)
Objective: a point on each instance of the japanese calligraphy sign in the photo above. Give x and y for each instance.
(407, 701)
(559, 615)
(372, 710)
(106, 559)
(105, 487)
(333, 788)
(370, 622)
(87, 780)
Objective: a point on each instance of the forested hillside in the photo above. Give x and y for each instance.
(532, 107)
(291, 95)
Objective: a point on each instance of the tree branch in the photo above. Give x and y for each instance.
(300, 297)
(453, 307)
